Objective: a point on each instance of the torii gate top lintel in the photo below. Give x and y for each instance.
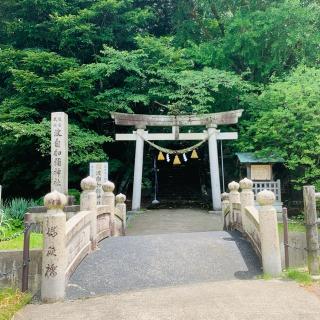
(142, 120)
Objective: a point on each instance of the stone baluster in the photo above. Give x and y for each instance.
(269, 237)
(225, 206)
(88, 202)
(246, 199)
(54, 255)
(108, 199)
(122, 209)
(234, 197)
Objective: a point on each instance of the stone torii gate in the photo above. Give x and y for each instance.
(210, 121)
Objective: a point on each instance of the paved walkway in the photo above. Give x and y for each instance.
(173, 265)
(174, 221)
(153, 261)
(223, 300)
(163, 248)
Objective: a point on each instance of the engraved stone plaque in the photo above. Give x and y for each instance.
(99, 171)
(59, 152)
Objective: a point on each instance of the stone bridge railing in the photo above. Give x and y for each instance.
(258, 225)
(67, 242)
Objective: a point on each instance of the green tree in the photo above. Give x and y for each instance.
(286, 122)
(263, 43)
(88, 58)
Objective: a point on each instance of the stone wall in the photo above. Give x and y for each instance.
(11, 269)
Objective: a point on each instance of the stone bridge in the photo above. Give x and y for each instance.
(161, 248)
(171, 264)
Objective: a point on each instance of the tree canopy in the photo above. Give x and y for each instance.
(88, 58)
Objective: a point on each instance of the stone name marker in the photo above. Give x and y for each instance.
(99, 171)
(59, 152)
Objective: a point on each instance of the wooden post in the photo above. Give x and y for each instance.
(310, 213)
(285, 236)
(26, 253)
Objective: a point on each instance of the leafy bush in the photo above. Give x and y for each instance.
(4, 224)
(12, 214)
(17, 207)
(76, 194)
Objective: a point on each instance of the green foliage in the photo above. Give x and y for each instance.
(88, 58)
(300, 276)
(36, 241)
(286, 122)
(159, 77)
(76, 194)
(12, 214)
(272, 41)
(265, 276)
(16, 208)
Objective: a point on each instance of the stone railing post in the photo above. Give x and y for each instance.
(122, 207)
(269, 237)
(234, 197)
(108, 199)
(88, 202)
(246, 199)
(225, 206)
(54, 255)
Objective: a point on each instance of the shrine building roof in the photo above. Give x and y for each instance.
(251, 157)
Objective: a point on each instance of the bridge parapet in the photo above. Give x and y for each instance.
(258, 224)
(67, 242)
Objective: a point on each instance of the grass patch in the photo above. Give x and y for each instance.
(293, 227)
(17, 243)
(11, 301)
(298, 275)
(264, 276)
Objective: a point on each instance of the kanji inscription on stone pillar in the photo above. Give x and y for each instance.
(59, 152)
(99, 171)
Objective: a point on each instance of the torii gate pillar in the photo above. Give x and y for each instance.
(138, 168)
(214, 167)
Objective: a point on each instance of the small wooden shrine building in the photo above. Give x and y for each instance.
(261, 171)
